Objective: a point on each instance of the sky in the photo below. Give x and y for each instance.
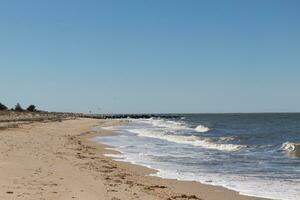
(151, 56)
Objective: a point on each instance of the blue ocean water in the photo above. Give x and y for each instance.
(255, 154)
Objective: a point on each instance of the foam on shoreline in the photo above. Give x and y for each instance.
(160, 130)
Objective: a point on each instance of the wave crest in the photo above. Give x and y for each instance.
(291, 147)
(160, 123)
(201, 129)
(191, 140)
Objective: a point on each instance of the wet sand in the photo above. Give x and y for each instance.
(58, 160)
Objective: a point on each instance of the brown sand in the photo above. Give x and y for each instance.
(57, 160)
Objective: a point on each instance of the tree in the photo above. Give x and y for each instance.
(18, 107)
(2, 107)
(31, 108)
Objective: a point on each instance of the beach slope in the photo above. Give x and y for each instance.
(57, 160)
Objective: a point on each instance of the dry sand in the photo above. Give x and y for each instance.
(57, 160)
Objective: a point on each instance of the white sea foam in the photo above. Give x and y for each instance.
(226, 139)
(172, 125)
(292, 149)
(191, 140)
(290, 146)
(163, 123)
(111, 148)
(273, 189)
(116, 156)
(168, 130)
(201, 129)
(173, 131)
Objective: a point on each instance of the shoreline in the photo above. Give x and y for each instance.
(58, 160)
(193, 188)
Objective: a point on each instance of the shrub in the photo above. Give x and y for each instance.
(18, 107)
(2, 107)
(31, 108)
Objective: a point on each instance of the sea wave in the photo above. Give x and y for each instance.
(177, 150)
(190, 140)
(201, 129)
(291, 147)
(174, 125)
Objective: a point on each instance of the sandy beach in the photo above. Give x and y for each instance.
(58, 160)
(150, 100)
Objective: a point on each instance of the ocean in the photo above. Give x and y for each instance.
(254, 154)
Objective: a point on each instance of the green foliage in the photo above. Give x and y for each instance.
(2, 107)
(31, 108)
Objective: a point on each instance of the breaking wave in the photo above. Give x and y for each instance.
(201, 129)
(173, 125)
(291, 147)
(190, 140)
(229, 150)
(164, 123)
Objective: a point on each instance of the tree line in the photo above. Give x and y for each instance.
(18, 107)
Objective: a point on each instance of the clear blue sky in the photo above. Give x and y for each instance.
(151, 55)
